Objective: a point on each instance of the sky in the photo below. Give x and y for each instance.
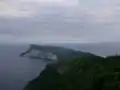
(59, 21)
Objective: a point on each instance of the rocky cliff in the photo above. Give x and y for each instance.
(52, 52)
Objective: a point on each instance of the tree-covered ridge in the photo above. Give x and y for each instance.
(85, 73)
(61, 52)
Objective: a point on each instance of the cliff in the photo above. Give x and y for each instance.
(52, 52)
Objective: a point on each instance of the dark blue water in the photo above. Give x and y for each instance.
(15, 71)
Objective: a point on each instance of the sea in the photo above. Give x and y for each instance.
(16, 71)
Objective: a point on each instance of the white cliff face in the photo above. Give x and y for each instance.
(34, 53)
(44, 55)
(51, 56)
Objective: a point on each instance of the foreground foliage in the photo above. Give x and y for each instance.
(85, 73)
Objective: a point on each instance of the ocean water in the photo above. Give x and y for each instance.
(15, 72)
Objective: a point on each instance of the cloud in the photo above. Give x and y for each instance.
(26, 8)
(100, 11)
(83, 21)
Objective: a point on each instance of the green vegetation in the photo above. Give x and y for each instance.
(84, 73)
(61, 52)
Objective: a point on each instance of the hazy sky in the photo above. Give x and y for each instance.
(37, 21)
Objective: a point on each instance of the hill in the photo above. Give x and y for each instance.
(84, 73)
(44, 51)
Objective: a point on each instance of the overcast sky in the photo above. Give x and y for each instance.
(38, 21)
